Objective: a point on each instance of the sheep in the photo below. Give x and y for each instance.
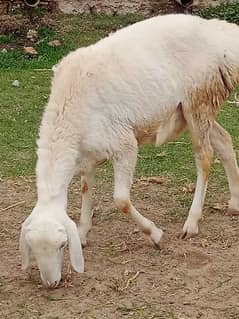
(144, 84)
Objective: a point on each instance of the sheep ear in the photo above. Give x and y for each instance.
(75, 249)
(24, 248)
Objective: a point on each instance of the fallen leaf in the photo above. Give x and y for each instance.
(54, 43)
(218, 206)
(153, 180)
(30, 51)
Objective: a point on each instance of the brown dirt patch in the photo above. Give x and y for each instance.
(125, 276)
(18, 25)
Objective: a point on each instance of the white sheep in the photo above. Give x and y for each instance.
(144, 84)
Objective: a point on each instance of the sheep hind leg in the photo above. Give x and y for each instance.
(124, 166)
(222, 144)
(87, 183)
(199, 130)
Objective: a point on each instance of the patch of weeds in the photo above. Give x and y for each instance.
(111, 23)
(4, 39)
(26, 311)
(174, 212)
(49, 298)
(22, 310)
(105, 173)
(110, 214)
(145, 312)
(185, 201)
(20, 113)
(178, 160)
(225, 11)
(52, 298)
(46, 33)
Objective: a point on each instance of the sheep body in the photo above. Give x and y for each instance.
(136, 78)
(145, 83)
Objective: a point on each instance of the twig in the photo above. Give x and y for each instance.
(236, 100)
(119, 262)
(130, 280)
(233, 102)
(186, 143)
(12, 206)
(42, 69)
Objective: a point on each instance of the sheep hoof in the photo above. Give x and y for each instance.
(82, 238)
(156, 236)
(190, 229)
(186, 235)
(83, 243)
(232, 212)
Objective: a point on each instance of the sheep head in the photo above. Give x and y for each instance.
(45, 239)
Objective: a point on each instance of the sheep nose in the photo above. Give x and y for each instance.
(53, 284)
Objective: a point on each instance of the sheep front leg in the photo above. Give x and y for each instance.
(203, 157)
(87, 183)
(222, 144)
(124, 166)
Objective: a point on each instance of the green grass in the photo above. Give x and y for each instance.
(73, 31)
(6, 38)
(228, 12)
(20, 112)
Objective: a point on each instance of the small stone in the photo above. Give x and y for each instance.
(4, 50)
(162, 154)
(32, 35)
(30, 51)
(135, 231)
(189, 188)
(16, 83)
(54, 43)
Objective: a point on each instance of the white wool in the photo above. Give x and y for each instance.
(145, 83)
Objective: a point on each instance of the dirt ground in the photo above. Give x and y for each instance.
(18, 26)
(125, 277)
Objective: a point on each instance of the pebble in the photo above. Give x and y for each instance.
(32, 35)
(16, 83)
